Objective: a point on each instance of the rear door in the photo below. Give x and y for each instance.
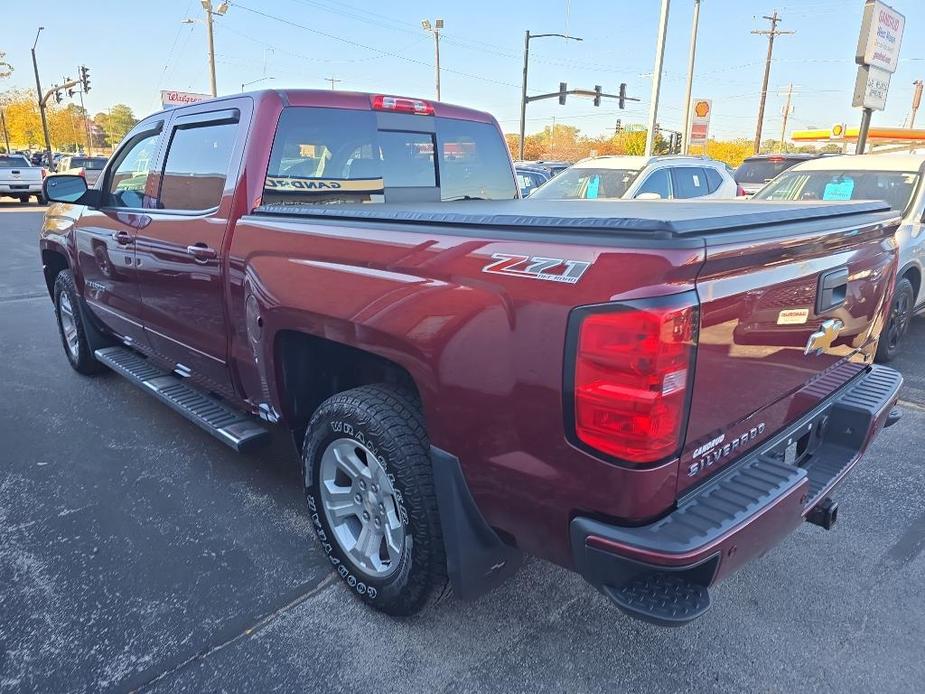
(688, 182)
(785, 321)
(181, 252)
(105, 237)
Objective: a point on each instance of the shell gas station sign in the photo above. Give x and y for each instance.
(700, 121)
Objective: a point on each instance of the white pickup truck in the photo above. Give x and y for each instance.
(19, 179)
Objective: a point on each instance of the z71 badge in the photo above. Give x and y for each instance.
(537, 268)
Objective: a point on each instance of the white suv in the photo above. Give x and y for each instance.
(648, 178)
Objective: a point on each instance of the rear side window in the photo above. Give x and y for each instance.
(196, 167)
(657, 182)
(689, 182)
(714, 179)
(330, 156)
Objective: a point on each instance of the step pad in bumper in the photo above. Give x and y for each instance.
(225, 423)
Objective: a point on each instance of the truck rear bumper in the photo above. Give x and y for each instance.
(661, 572)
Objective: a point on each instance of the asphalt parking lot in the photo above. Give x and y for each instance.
(138, 552)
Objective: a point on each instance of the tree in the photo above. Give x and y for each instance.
(115, 123)
(68, 127)
(5, 68)
(22, 117)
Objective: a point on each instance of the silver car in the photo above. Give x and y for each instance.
(88, 167)
(897, 180)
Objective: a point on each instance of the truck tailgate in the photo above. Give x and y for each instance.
(785, 321)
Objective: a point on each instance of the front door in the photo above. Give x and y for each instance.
(180, 253)
(105, 237)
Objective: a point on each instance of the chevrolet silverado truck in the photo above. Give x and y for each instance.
(469, 376)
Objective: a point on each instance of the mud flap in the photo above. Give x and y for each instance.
(477, 560)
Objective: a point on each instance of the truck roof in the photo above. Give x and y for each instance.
(660, 218)
(328, 98)
(864, 162)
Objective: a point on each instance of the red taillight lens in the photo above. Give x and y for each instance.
(81, 172)
(44, 172)
(402, 105)
(631, 380)
(740, 191)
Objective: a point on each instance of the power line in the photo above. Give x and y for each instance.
(356, 44)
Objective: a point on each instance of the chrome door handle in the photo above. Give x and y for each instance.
(123, 238)
(201, 252)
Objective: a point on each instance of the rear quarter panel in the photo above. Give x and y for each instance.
(486, 351)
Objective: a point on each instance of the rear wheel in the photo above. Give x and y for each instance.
(369, 486)
(24, 199)
(898, 324)
(70, 326)
(40, 198)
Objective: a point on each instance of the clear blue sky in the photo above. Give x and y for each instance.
(134, 49)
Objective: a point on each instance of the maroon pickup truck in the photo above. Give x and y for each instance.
(649, 393)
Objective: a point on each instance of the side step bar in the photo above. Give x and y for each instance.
(228, 425)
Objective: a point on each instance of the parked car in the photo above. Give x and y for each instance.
(530, 178)
(20, 179)
(469, 375)
(651, 178)
(753, 173)
(893, 178)
(88, 167)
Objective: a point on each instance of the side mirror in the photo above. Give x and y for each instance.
(64, 188)
(648, 196)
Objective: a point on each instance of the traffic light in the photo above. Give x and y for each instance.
(597, 94)
(622, 97)
(58, 97)
(71, 93)
(619, 127)
(563, 88)
(85, 78)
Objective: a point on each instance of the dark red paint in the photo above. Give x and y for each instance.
(486, 352)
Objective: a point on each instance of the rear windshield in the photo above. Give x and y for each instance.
(762, 170)
(329, 156)
(91, 163)
(893, 187)
(11, 162)
(587, 184)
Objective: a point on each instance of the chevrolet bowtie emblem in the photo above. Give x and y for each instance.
(824, 337)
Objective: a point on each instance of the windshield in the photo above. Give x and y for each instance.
(893, 187)
(12, 162)
(762, 170)
(91, 163)
(587, 184)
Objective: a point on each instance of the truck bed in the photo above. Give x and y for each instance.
(653, 219)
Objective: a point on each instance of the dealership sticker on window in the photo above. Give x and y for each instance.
(793, 316)
(364, 185)
(839, 190)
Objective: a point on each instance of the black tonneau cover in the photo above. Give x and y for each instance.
(659, 217)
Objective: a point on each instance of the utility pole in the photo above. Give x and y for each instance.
(916, 102)
(685, 131)
(435, 30)
(6, 134)
(210, 14)
(38, 88)
(783, 129)
(523, 90)
(332, 80)
(657, 77)
(771, 33)
(86, 121)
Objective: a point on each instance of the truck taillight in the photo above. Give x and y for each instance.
(82, 172)
(740, 191)
(632, 374)
(402, 104)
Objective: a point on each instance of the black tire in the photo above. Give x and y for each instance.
(388, 421)
(898, 323)
(39, 199)
(81, 356)
(23, 199)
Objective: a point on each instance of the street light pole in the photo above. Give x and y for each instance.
(523, 91)
(657, 77)
(685, 131)
(435, 30)
(210, 13)
(38, 88)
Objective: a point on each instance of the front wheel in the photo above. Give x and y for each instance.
(370, 490)
(898, 324)
(71, 327)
